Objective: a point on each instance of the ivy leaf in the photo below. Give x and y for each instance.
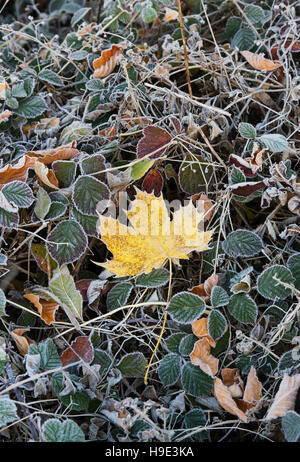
(67, 242)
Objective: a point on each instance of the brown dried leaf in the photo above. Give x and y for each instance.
(46, 175)
(199, 328)
(259, 62)
(45, 308)
(201, 356)
(22, 342)
(285, 398)
(253, 390)
(18, 171)
(106, 63)
(80, 348)
(47, 156)
(224, 397)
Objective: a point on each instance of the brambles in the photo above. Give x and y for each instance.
(175, 168)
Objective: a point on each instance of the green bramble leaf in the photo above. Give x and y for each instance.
(132, 365)
(243, 308)
(50, 77)
(67, 242)
(32, 107)
(169, 369)
(186, 307)
(243, 39)
(270, 288)
(118, 295)
(54, 431)
(90, 195)
(242, 243)
(194, 381)
(217, 324)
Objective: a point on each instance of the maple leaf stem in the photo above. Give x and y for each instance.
(163, 326)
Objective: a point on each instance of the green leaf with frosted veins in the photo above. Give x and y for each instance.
(133, 365)
(50, 77)
(157, 278)
(169, 369)
(242, 243)
(217, 324)
(186, 307)
(49, 357)
(54, 431)
(31, 107)
(88, 222)
(62, 286)
(243, 308)
(18, 193)
(271, 288)
(90, 195)
(118, 295)
(67, 242)
(194, 381)
(65, 171)
(219, 297)
(8, 219)
(8, 411)
(291, 426)
(42, 205)
(244, 39)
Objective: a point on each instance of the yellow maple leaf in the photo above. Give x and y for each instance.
(152, 237)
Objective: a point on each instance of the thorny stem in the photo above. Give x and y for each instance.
(163, 326)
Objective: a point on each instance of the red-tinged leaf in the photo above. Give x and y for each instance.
(154, 139)
(153, 182)
(245, 189)
(81, 348)
(288, 44)
(176, 124)
(83, 286)
(242, 164)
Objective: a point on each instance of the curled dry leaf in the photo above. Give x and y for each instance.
(200, 329)
(170, 15)
(46, 175)
(83, 31)
(253, 390)
(259, 62)
(285, 398)
(47, 156)
(3, 87)
(17, 171)
(22, 342)
(144, 246)
(229, 392)
(5, 115)
(46, 308)
(225, 399)
(108, 60)
(204, 205)
(47, 125)
(200, 356)
(80, 348)
(204, 290)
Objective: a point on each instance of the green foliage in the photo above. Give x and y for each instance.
(54, 431)
(186, 307)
